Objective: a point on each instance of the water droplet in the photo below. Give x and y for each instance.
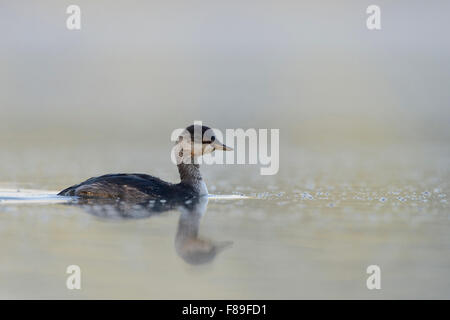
(307, 196)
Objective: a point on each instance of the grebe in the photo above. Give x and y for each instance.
(192, 143)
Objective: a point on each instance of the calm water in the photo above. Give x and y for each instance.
(308, 232)
(364, 148)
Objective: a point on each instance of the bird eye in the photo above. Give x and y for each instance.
(213, 139)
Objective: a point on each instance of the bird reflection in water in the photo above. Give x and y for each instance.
(188, 245)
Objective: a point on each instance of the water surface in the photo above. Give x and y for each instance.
(308, 232)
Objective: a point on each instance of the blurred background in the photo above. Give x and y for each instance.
(137, 69)
(364, 144)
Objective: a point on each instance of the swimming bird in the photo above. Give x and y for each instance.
(192, 143)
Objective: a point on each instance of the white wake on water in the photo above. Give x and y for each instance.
(18, 196)
(21, 196)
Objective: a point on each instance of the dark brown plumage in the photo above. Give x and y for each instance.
(138, 187)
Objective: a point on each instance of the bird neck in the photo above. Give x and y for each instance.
(190, 175)
(189, 172)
